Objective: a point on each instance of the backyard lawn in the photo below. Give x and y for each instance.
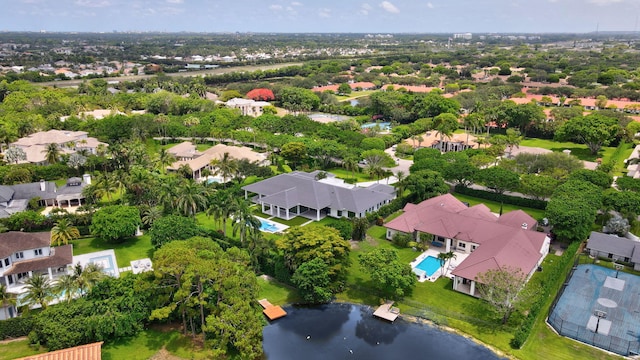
(341, 173)
(439, 302)
(131, 249)
(355, 95)
(18, 349)
(149, 342)
(495, 206)
(277, 293)
(578, 150)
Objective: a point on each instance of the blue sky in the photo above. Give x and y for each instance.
(373, 16)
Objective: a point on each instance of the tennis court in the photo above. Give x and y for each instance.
(601, 307)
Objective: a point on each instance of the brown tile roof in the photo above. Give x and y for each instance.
(83, 352)
(60, 256)
(217, 152)
(13, 241)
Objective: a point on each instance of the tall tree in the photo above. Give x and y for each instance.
(63, 232)
(7, 299)
(502, 288)
(66, 285)
(14, 154)
(391, 278)
(244, 222)
(594, 130)
(39, 290)
(445, 124)
(312, 280)
(226, 166)
(52, 153)
(191, 198)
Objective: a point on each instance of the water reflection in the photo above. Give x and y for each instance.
(345, 331)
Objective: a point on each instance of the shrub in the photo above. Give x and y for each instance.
(401, 239)
(507, 199)
(344, 227)
(16, 327)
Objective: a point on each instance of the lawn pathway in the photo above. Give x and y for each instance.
(308, 222)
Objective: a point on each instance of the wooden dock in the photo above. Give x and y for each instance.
(387, 311)
(272, 312)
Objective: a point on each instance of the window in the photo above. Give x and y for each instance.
(339, 213)
(473, 247)
(7, 262)
(20, 255)
(23, 275)
(37, 252)
(462, 245)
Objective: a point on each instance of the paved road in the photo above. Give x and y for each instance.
(217, 71)
(403, 165)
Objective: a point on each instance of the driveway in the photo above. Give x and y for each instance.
(403, 165)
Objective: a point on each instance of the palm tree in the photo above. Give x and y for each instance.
(67, 285)
(401, 184)
(244, 221)
(52, 153)
(63, 232)
(39, 291)
(191, 198)
(351, 164)
(104, 186)
(442, 257)
(86, 277)
(221, 207)
(150, 215)
(7, 299)
(165, 159)
(225, 166)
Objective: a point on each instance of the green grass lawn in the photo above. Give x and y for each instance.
(495, 206)
(277, 293)
(355, 95)
(578, 150)
(439, 302)
(341, 173)
(286, 168)
(131, 249)
(149, 342)
(623, 151)
(18, 349)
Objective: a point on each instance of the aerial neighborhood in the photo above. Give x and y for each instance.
(176, 195)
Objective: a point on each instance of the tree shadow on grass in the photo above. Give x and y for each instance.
(580, 153)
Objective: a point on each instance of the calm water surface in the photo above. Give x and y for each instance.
(345, 331)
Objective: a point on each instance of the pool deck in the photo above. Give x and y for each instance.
(453, 263)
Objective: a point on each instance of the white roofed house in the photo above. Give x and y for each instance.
(68, 142)
(308, 195)
(24, 255)
(248, 107)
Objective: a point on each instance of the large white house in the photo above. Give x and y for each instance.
(68, 142)
(24, 255)
(313, 196)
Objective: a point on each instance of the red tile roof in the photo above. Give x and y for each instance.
(502, 241)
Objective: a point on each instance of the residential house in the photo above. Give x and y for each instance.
(69, 142)
(457, 142)
(24, 255)
(197, 161)
(248, 107)
(15, 198)
(615, 248)
(632, 164)
(491, 242)
(315, 196)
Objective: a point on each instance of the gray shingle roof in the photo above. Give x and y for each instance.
(300, 188)
(31, 190)
(6, 193)
(13, 241)
(611, 244)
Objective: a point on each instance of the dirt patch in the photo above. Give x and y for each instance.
(163, 354)
(166, 327)
(12, 340)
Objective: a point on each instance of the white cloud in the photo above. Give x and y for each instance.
(275, 7)
(325, 13)
(175, 1)
(389, 7)
(430, 5)
(296, 3)
(604, 2)
(93, 3)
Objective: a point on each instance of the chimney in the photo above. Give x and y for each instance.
(87, 179)
(524, 226)
(43, 185)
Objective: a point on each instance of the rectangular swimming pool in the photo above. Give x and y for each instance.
(429, 265)
(271, 226)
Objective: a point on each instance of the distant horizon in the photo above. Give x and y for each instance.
(326, 16)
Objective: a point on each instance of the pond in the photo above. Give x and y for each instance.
(346, 331)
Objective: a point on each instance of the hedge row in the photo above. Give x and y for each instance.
(507, 199)
(16, 327)
(549, 288)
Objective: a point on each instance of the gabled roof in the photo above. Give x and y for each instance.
(501, 242)
(31, 190)
(60, 256)
(14, 241)
(613, 244)
(217, 152)
(301, 188)
(6, 193)
(518, 218)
